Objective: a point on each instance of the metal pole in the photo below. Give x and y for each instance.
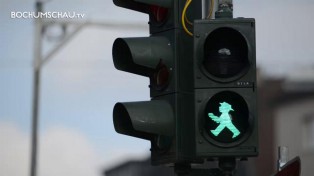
(39, 61)
(283, 157)
(227, 166)
(187, 170)
(206, 8)
(36, 89)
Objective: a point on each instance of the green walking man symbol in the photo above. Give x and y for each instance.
(224, 120)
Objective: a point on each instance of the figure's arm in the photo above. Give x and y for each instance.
(214, 118)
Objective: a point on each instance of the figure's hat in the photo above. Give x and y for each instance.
(226, 105)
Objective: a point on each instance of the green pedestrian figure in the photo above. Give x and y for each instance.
(225, 120)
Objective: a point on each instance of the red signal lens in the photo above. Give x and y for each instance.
(160, 14)
(160, 79)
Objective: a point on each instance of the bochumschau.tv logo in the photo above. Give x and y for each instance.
(51, 15)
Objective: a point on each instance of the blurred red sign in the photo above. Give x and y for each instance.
(292, 168)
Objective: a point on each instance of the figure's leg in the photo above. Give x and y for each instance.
(233, 129)
(218, 129)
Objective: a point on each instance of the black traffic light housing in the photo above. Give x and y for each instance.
(161, 13)
(165, 58)
(190, 78)
(225, 88)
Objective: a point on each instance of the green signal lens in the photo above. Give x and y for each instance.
(226, 117)
(225, 120)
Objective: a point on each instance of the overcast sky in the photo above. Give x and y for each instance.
(80, 84)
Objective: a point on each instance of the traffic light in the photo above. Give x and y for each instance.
(202, 88)
(165, 57)
(225, 88)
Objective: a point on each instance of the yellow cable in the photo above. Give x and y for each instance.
(186, 18)
(211, 9)
(187, 4)
(210, 14)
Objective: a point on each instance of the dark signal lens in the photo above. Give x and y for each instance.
(225, 53)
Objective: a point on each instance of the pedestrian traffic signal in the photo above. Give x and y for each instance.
(225, 88)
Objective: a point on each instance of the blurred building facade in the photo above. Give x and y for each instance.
(286, 118)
